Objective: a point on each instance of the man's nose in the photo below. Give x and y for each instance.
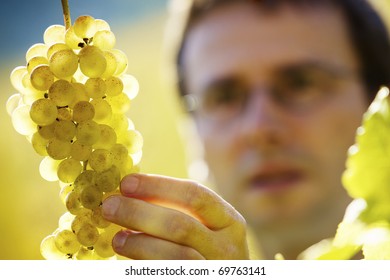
(262, 119)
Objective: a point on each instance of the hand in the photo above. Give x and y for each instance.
(169, 218)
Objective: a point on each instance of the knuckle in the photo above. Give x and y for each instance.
(180, 229)
(197, 197)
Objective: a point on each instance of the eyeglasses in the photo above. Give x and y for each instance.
(297, 88)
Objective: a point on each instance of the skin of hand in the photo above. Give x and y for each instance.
(170, 218)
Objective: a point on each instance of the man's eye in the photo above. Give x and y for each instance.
(299, 81)
(224, 96)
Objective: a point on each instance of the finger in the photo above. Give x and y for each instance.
(157, 221)
(202, 202)
(140, 246)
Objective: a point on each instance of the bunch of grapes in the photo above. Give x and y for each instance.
(72, 100)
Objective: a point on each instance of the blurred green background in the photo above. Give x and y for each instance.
(30, 206)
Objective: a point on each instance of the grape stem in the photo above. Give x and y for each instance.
(66, 12)
(85, 163)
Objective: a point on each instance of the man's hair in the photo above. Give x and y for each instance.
(367, 31)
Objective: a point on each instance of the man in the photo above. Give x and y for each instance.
(277, 89)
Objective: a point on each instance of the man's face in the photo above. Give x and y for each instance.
(280, 104)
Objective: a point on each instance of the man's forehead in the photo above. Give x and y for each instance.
(238, 35)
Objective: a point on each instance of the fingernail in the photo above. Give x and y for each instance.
(129, 184)
(119, 240)
(110, 206)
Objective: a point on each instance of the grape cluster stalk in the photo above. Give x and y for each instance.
(72, 98)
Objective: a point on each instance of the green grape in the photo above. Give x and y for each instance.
(21, 120)
(136, 157)
(65, 130)
(119, 154)
(85, 253)
(88, 132)
(83, 111)
(84, 26)
(130, 85)
(114, 86)
(108, 180)
(38, 49)
(41, 77)
(97, 218)
(58, 149)
(100, 160)
(29, 93)
(43, 111)
(68, 170)
(101, 24)
(121, 159)
(54, 34)
(84, 217)
(29, 99)
(87, 235)
(66, 242)
(121, 60)
(132, 139)
(28, 88)
(103, 246)
(111, 64)
(64, 192)
(71, 39)
(62, 92)
(65, 221)
(107, 137)
(64, 63)
(119, 122)
(95, 87)
(104, 39)
(80, 151)
(129, 166)
(16, 77)
(13, 102)
(47, 131)
(50, 251)
(81, 94)
(131, 125)
(39, 144)
(86, 179)
(111, 230)
(92, 61)
(64, 114)
(48, 169)
(103, 111)
(90, 197)
(35, 61)
(120, 103)
(55, 48)
(72, 202)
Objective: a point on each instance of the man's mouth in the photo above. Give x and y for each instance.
(274, 179)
